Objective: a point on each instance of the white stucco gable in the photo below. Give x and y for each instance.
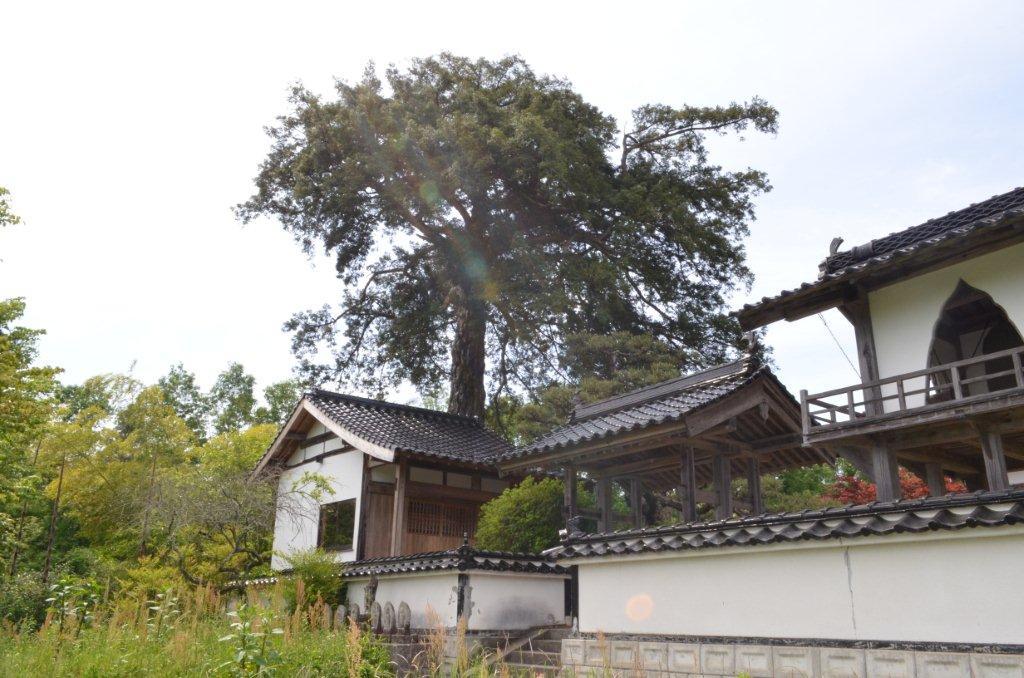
(306, 408)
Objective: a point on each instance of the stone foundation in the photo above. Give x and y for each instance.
(666, 658)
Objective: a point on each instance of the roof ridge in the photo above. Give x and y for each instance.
(583, 412)
(951, 500)
(411, 409)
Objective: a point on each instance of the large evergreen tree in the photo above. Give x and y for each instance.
(477, 210)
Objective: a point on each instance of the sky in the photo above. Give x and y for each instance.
(128, 132)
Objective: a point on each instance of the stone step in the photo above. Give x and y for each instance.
(522, 670)
(557, 633)
(533, 658)
(544, 645)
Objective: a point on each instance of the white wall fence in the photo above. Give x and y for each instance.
(946, 603)
(492, 601)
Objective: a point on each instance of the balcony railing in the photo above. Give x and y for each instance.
(968, 380)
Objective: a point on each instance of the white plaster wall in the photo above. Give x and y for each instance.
(904, 314)
(422, 592)
(297, 520)
(515, 601)
(944, 587)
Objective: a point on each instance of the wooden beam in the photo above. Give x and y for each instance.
(754, 486)
(928, 418)
(431, 491)
(859, 313)
(726, 439)
(317, 439)
(636, 502)
(687, 489)
(723, 486)
(935, 479)
(707, 418)
(887, 473)
(607, 447)
(569, 478)
(364, 508)
(995, 460)
(944, 461)
(604, 502)
(398, 508)
(779, 442)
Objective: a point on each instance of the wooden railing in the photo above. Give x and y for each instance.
(971, 379)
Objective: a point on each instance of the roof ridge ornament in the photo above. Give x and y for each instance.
(754, 351)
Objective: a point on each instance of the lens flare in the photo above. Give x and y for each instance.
(639, 607)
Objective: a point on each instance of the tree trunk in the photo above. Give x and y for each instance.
(468, 358)
(53, 520)
(149, 505)
(21, 519)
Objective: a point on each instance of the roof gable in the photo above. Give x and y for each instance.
(661, 403)
(382, 430)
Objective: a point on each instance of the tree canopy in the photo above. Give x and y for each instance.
(478, 213)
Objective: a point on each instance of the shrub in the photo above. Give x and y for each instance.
(318, 572)
(525, 518)
(23, 599)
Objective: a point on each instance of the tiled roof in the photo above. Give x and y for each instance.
(951, 512)
(462, 559)
(861, 259)
(403, 428)
(988, 210)
(658, 404)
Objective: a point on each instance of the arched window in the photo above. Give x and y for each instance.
(972, 325)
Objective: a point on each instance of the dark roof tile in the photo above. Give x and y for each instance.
(951, 512)
(665, 402)
(863, 258)
(403, 428)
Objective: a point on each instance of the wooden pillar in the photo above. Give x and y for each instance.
(754, 486)
(995, 460)
(858, 312)
(887, 473)
(935, 479)
(722, 473)
(364, 509)
(569, 476)
(687, 490)
(398, 509)
(636, 502)
(604, 504)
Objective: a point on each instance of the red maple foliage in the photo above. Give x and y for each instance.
(853, 490)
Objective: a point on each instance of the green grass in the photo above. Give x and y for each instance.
(170, 637)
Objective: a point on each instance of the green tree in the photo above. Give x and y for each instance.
(7, 216)
(217, 519)
(596, 367)
(233, 399)
(476, 210)
(281, 398)
(26, 404)
(183, 394)
(157, 438)
(522, 519)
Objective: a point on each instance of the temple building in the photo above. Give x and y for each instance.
(402, 479)
(671, 567)
(936, 310)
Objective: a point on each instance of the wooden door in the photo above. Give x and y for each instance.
(379, 507)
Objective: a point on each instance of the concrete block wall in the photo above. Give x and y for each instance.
(610, 656)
